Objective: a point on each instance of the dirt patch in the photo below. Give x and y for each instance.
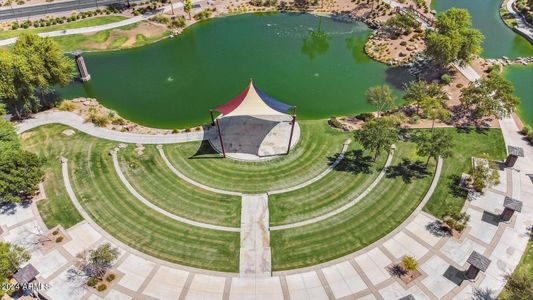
(148, 29)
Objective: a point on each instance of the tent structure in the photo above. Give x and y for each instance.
(253, 110)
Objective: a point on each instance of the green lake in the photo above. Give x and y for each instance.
(315, 63)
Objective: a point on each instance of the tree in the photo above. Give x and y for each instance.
(381, 97)
(187, 7)
(11, 258)
(428, 96)
(492, 95)
(435, 108)
(99, 260)
(454, 39)
(519, 286)
(20, 171)
(17, 89)
(34, 64)
(483, 175)
(46, 60)
(435, 144)
(377, 135)
(401, 23)
(456, 220)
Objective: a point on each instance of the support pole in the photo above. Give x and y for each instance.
(292, 130)
(220, 137)
(212, 118)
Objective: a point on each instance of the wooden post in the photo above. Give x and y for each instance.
(220, 137)
(292, 130)
(212, 118)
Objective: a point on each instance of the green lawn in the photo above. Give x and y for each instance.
(56, 208)
(318, 144)
(151, 177)
(76, 24)
(466, 144)
(377, 214)
(348, 180)
(109, 203)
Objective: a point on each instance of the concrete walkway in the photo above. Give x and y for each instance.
(255, 258)
(74, 120)
(146, 202)
(345, 206)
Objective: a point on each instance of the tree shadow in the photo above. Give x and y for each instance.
(455, 188)
(398, 77)
(470, 129)
(483, 294)
(408, 170)
(397, 270)
(354, 161)
(438, 229)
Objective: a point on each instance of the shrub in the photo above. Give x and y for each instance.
(530, 137)
(409, 263)
(55, 232)
(110, 277)
(92, 282)
(334, 123)
(59, 239)
(175, 130)
(446, 79)
(102, 287)
(403, 43)
(66, 106)
(459, 86)
(203, 15)
(365, 117)
(525, 130)
(118, 121)
(519, 285)
(456, 221)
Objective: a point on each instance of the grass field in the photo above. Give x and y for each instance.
(380, 212)
(76, 24)
(466, 144)
(349, 179)
(151, 177)
(103, 196)
(312, 155)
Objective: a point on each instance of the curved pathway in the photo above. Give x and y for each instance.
(193, 182)
(345, 206)
(522, 26)
(157, 208)
(319, 176)
(76, 121)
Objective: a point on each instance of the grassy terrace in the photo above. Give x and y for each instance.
(389, 204)
(76, 24)
(149, 175)
(318, 143)
(466, 144)
(349, 179)
(109, 203)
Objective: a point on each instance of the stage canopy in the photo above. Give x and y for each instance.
(253, 102)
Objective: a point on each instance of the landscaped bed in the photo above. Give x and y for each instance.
(380, 212)
(310, 157)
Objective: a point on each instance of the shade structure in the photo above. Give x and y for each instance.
(254, 126)
(253, 102)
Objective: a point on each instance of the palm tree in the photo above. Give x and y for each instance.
(187, 7)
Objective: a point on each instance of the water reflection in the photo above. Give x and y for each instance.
(355, 45)
(316, 42)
